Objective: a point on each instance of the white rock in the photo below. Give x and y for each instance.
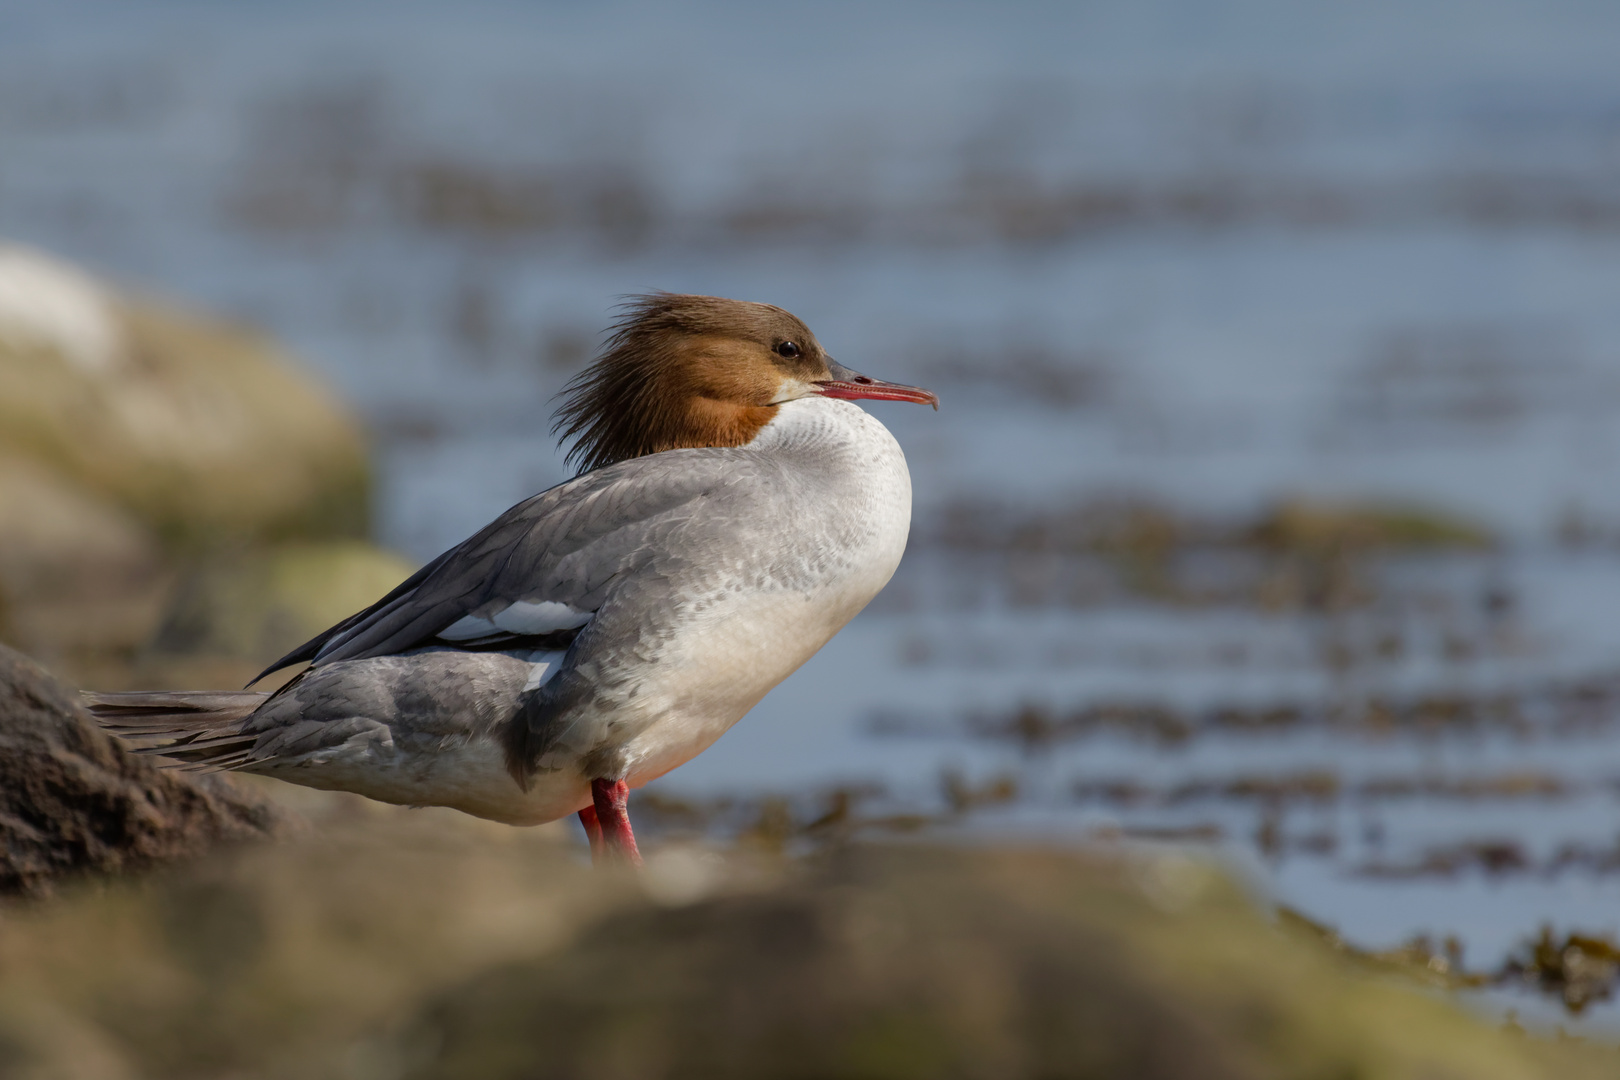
(46, 303)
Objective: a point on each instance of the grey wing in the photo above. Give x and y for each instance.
(540, 571)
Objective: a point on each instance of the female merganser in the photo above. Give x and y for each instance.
(734, 513)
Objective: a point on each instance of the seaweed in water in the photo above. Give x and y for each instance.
(1579, 968)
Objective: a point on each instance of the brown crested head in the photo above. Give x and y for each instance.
(682, 371)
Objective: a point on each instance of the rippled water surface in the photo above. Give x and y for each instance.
(1272, 505)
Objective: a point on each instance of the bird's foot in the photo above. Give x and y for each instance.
(608, 825)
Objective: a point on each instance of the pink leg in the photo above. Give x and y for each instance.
(593, 832)
(613, 817)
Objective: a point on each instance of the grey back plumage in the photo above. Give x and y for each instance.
(618, 543)
(568, 544)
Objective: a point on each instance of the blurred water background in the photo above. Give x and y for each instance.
(1271, 506)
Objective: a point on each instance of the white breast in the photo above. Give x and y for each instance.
(854, 533)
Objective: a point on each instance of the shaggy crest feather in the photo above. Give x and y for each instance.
(661, 358)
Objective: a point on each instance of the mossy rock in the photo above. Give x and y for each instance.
(205, 431)
(257, 605)
(54, 539)
(76, 571)
(426, 945)
(917, 963)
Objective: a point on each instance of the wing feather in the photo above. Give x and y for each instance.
(569, 544)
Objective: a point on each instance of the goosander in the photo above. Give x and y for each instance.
(733, 511)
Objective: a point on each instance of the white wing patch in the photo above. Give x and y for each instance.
(544, 617)
(542, 666)
(521, 617)
(467, 628)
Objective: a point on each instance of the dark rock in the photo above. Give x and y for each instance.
(73, 801)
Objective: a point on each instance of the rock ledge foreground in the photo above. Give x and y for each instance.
(429, 946)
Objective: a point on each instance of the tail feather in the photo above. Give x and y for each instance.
(196, 730)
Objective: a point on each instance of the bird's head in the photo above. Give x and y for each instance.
(688, 371)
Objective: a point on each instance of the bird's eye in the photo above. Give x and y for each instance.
(787, 349)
